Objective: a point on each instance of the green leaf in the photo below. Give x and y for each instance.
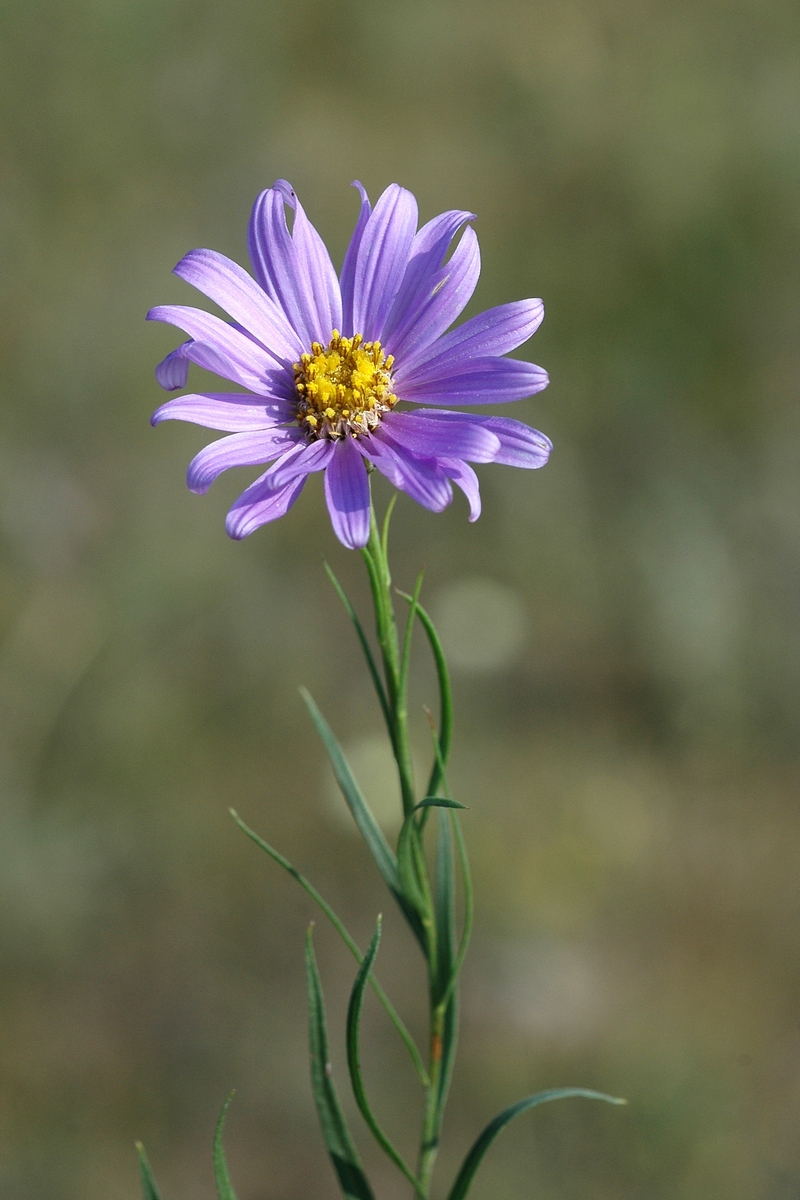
(224, 1186)
(342, 1151)
(365, 646)
(148, 1183)
(354, 1060)
(469, 905)
(413, 874)
(445, 905)
(445, 693)
(449, 1046)
(346, 937)
(385, 530)
(439, 802)
(473, 1159)
(445, 909)
(405, 658)
(368, 827)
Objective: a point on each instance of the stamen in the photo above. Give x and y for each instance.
(343, 388)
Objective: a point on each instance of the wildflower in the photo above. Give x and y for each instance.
(327, 361)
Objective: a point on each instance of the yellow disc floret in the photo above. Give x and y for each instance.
(344, 387)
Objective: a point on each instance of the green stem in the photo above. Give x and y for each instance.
(386, 628)
(429, 1144)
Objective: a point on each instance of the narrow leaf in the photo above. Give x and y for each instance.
(469, 904)
(445, 693)
(385, 530)
(449, 1046)
(224, 1186)
(445, 908)
(445, 905)
(405, 658)
(365, 646)
(342, 1151)
(346, 937)
(148, 1183)
(368, 827)
(413, 875)
(473, 1159)
(439, 802)
(354, 1060)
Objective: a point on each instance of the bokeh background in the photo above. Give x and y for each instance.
(624, 625)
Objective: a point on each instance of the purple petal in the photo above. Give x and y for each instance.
(481, 381)
(173, 371)
(421, 478)
(349, 264)
(225, 410)
(382, 259)
(427, 435)
(246, 362)
(347, 494)
(296, 272)
(463, 475)
(258, 505)
(229, 286)
(238, 450)
(307, 458)
(520, 445)
(490, 333)
(312, 251)
(441, 301)
(427, 254)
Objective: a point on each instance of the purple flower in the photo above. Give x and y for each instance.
(326, 361)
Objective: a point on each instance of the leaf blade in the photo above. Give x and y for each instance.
(336, 1135)
(365, 646)
(346, 937)
(148, 1183)
(221, 1177)
(362, 814)
(354, 1061)
(445, 691)
(485, 1139)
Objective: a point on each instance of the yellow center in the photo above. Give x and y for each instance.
(344, 387)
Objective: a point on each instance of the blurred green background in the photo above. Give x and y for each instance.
(624, 626)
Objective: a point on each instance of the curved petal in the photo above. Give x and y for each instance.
(296, 272)
(463, 475)
(520, 444)
(307, 458)
(382, 259)
(258, 505)
(229, 286)
(237, 450)
(228, 411)
(441, 301)
(420, 477)
(490, 333)
(481, 381)
(427, 254)
(347, 494)
(428, 436)
(349, 264)
(313, 253)
(173, 371)
(248, 362)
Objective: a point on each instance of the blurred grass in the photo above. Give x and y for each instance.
(632, 768)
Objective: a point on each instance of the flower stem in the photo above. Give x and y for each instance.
(386, 628)
(437, 917)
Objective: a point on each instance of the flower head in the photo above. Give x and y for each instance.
(326, 360)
